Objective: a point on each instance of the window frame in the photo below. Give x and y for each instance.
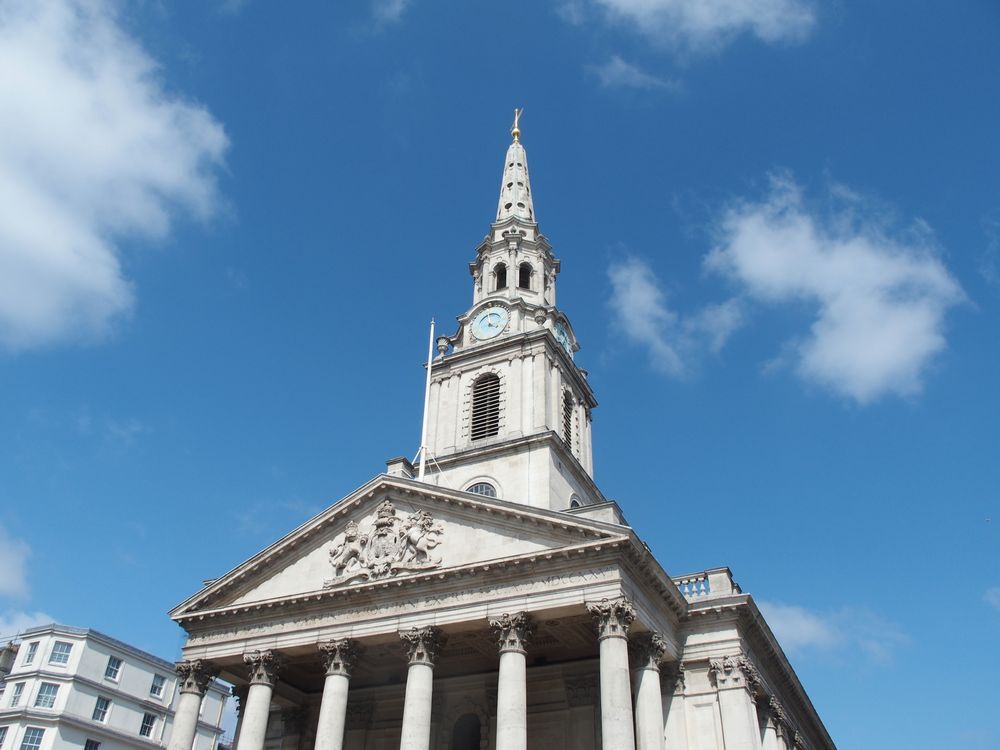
(116, 675)
(16, 694)
(483, 483)
(162, 685)
(90, 744)
(521, 273)
(485, 407)
(47, 691)
(30, 731)
(105, 711)
(57, 651)
(30, 653)
(4, 730)
(497, 270)
(143, 731)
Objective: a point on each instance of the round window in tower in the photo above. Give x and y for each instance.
(483, 488)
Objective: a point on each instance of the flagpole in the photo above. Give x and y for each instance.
(427, 404)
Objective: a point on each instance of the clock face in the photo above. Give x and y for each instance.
(490, 322)
(562, 336)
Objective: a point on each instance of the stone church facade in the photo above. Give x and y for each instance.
(502, 601)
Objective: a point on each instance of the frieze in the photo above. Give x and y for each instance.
(391, 545)
(326, 618)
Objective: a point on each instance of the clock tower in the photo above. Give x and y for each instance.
(510, 411)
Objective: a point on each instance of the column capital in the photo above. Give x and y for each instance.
(672, 678)
(264, 666)
(195, 674)
(513, 631)
(240, 692)
(422, 645)
(735, 671)
(647, 650)
(612, 617)
(339, 655)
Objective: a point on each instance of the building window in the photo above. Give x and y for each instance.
(574, 502)
(3, 689)
(113, 669)
(29, 655)
(60, 652)
(485, 406)
(16, 693)
(3, 736)
(483, 488)
(157, 687)
(92, 745)
(148, 722)
(101, 709)
(32, 739)
(524, 276)
(568, 418)
(46, 697)
(501, 276)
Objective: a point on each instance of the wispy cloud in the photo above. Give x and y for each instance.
(847, 629)
(616, 73)
(388, 11)
(992, 597)
(13, 622)
(94, 150)
(989, 259)
(14, 555)
(641, 314)
(879, 300)
(699, 26)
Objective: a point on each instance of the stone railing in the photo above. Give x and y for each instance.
(713, 582)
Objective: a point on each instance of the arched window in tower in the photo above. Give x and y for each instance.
(568, 405)
(485, 407)
(483, 488)
(501, 276)
(524, 276)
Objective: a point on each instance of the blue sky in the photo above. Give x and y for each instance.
(224, 226)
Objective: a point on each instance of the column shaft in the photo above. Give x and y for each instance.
(648, 710)
(185, 722)
(416, 734)
(255, 716)
(338, 658)
(616, 696)
(512, 702)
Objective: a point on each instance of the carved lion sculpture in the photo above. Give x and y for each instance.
(349, 553)
(420, 536)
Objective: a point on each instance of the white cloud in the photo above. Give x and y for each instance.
(13, 622)
(700, 25)
(674, 342)
(853, 630)
(388, 11)
(616, 73)
(94, 150)
(14, 555)
(992, 597)
(879, 301)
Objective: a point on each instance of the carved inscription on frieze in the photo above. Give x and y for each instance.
(390, 545)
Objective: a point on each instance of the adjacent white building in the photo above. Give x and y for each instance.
(77, 688)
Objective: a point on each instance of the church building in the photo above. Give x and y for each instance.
(494, 598)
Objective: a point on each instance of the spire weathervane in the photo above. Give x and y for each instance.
(516, 131)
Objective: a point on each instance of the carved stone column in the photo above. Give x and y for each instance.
(194, 677)
(672, 686)
(263, 667)
(647, 651)
(513, 632)
(240, 696)
(774, 717)
(338, 659)
(613, 618)
(737, 682)
(422, 646)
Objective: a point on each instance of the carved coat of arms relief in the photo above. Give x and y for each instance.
(389, 545)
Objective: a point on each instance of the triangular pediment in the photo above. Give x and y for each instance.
(389, 530)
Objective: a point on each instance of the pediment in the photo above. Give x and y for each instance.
(389, 530)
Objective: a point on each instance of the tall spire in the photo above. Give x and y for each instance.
(515, 189)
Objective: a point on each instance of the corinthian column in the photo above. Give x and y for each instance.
(338, 658)
(737, 682)
(613, 618)
(422, 646)
(263, 666)
(513, 633)
(648, 650)
(194, 677)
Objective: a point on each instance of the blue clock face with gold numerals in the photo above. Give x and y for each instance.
(490, 322)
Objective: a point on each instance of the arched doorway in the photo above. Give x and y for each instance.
(467, 733)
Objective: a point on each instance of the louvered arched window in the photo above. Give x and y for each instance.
(485, 407)
(568, 418)
(501, 276)
(524, 276)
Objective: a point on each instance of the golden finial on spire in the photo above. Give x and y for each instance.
(516, 131)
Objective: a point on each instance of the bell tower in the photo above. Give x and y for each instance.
(510, 412)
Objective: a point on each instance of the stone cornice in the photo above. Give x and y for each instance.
(403, 490)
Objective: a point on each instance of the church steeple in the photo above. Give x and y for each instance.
(515, 189)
